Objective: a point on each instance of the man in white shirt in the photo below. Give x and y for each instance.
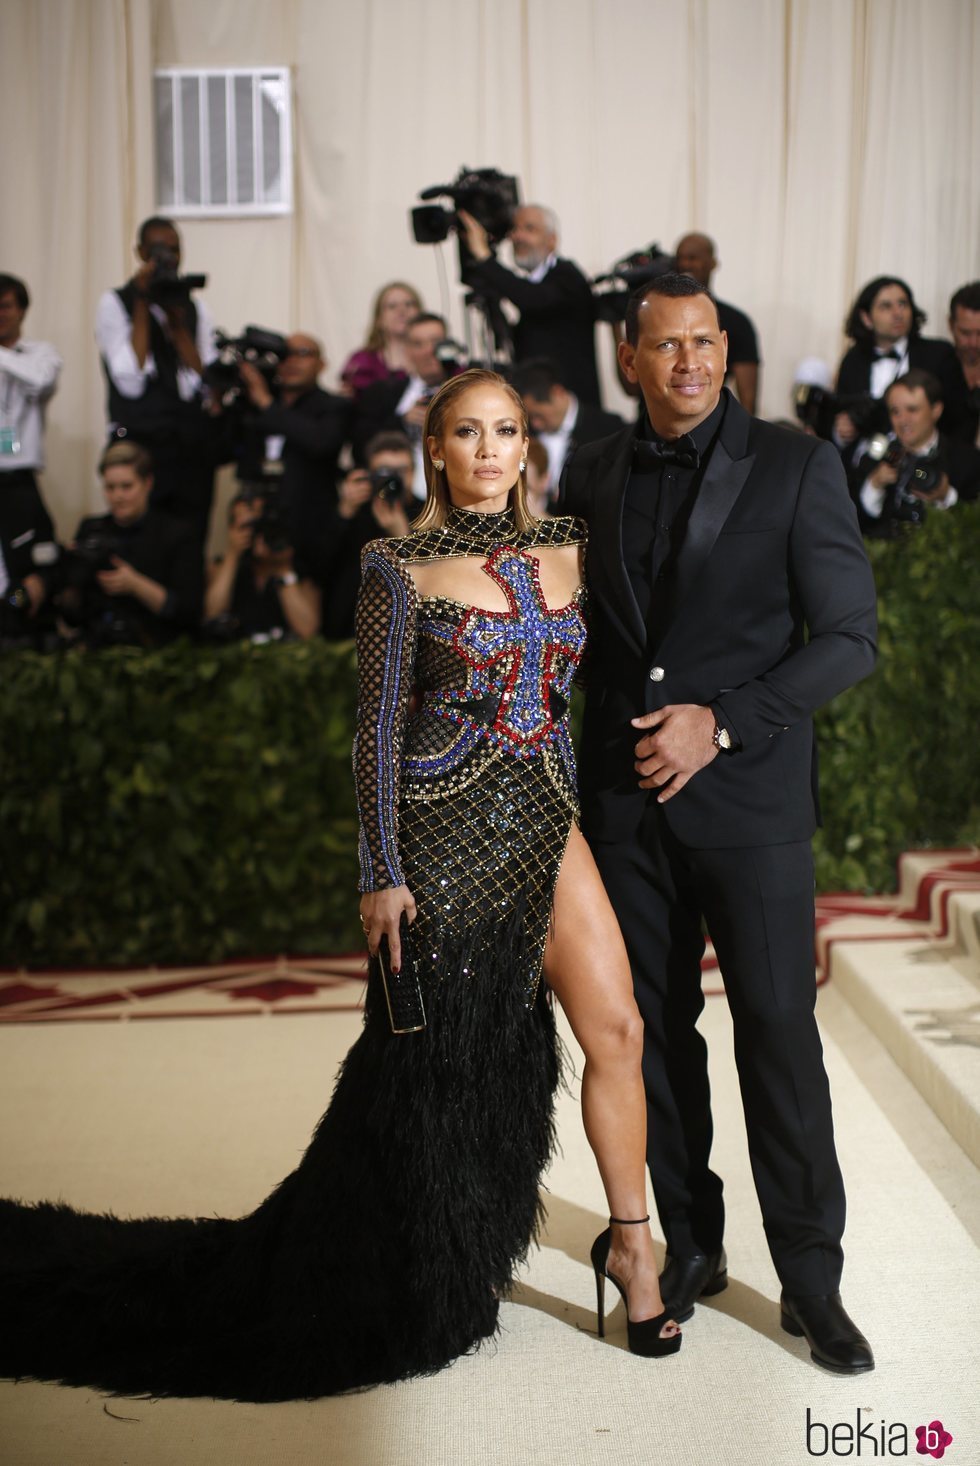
(919, 467)
(155, 341)
(28, 379)
(557, 417)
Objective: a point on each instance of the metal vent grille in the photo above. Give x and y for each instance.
(223, 141)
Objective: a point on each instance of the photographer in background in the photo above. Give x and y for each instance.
(257, 590)
(134, 576)
(28, 378)
(155, 341)
(902, 474)
(552, 295)
(964, 327)
(401, 406)
(294, 430)
(372, 501)
(885, 324)
(556, 416)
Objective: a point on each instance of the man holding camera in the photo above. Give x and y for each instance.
(258, 590)
(372, 501)
(903, 474)
(28, 378)
(291, 435)
(400, 407)
(552, 295)
(155, 341)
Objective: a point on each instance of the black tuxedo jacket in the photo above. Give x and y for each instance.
(557, 318)
(773, 615)
(927, 353)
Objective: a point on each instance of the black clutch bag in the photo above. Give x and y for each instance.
(402, 992)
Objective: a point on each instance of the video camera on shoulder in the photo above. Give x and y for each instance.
(486, 193)
(166, 286)
(612, 290)
(265, 350)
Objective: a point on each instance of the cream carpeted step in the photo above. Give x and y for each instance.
(911, 968)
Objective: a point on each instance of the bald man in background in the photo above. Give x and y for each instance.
(695, 256)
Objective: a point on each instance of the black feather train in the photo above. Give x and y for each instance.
(382, 1256)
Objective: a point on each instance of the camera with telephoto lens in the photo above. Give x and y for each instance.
(817, 407)
(612, 290)
(166, 286)
(272, 519)
(486, 193)
(265, 350)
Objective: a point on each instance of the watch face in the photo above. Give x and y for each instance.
(723, 738)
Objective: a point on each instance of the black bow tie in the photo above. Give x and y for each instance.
(888, 355)
(655, 455)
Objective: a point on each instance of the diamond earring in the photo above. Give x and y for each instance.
(438, 464)
(523, 465)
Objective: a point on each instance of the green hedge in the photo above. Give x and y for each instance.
(194, 804)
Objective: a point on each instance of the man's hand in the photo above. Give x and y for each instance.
(415, 416)
(884, 475)
(936, 495)
(355, 490)
(476, 237)
(390, 516)
(122, 580)
(256, 387)
(677, 745)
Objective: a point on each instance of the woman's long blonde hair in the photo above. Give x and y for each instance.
(437, 500)
(376, 340)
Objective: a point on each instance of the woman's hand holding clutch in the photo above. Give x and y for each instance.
(381, 914)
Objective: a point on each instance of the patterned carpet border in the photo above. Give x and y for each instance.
(278, 986)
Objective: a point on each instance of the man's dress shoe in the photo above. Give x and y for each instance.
(835, 1342)
(686, 1279)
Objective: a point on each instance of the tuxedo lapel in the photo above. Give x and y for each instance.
(728, 468)
(607, 568)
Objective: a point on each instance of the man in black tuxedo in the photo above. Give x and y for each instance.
(551, 293)
(731, 596)
(556, 416)
(885, 326)
(964, 327)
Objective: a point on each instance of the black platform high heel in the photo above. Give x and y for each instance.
(644, 1336)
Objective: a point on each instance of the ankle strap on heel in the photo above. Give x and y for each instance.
(629, 1221)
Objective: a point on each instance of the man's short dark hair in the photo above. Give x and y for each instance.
(388, 442)
(156, 221)
(536, 377)
(968, 296)
(10, 285)
(672, 285)
(916, 377)
(424, 318)
(862, 334)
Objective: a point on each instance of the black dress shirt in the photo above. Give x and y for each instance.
(658, 504)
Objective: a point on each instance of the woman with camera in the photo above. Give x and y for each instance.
(255, 591)
(134, 575)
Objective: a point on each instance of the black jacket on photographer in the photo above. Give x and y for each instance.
(557, 316)
(158, 405)
(306, 437)
(958, 461)
(27, 548)
(159, 547)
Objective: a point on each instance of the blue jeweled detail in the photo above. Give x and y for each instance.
(388, 707)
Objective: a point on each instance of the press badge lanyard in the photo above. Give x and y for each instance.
(9, 439)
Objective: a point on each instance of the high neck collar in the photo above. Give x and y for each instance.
(482, 530)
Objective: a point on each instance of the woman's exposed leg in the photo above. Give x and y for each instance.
(586, 966)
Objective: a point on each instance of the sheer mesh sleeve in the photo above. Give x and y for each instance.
(386, 630)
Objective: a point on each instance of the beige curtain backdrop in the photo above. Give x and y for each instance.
(819, 141)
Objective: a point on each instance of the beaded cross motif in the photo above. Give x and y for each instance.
(524, 640)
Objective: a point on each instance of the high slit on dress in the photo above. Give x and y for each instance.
(385, 1252)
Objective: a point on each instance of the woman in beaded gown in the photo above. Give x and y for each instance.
(385, 1253)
